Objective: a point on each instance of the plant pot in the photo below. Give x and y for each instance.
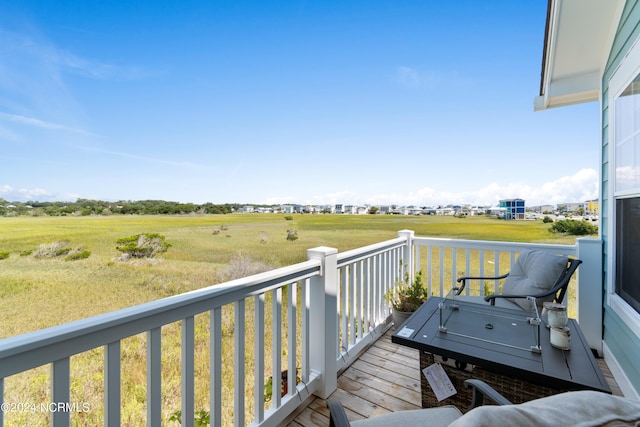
(399, 317)
(284, 385)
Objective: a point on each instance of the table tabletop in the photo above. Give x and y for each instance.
(573, 369)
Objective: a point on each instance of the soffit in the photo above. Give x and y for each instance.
(578, 37)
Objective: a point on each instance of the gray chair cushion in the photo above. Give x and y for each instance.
(534, 272)
(439, 416)
(574, 408)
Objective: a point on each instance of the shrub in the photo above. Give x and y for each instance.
(547, 219)
(52, 250)
(58, 249)
(145, 245)
(264, 237)
(77, 254)
(242, 266)
(201, 418)
(573, 227)
(4, 255)
(292, 235)
(288, 218)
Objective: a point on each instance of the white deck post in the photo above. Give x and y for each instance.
(589, 292)
(407, 253)
(323, 320)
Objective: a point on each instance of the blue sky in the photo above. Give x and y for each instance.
(379, 102)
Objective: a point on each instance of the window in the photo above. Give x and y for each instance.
(627, 131)
(626, 179)
(628, 251)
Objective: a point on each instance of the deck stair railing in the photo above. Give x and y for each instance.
(312, 318)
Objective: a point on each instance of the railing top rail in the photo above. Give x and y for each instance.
(18, 353)
(353, 255)
(488, 244)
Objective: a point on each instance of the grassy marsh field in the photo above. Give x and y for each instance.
(37, 293)
(44, 292)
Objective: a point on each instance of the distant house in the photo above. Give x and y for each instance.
(513, 208)
(362, 210)
(497, 211)
(478, 210)
(384, 210)
(592, 207)
(542, 208)
(414, 210)
(445, 211)
(349, 209)
(247, 209)
(570, 207)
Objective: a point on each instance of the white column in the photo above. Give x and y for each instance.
(589, 292)
(407, 253)
(323, 320)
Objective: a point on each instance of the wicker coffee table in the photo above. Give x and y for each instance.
(490, 346)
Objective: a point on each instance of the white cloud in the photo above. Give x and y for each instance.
(581, 186)
(39, 51)
(98, 70)
(413, 78)
(24, 194)
(32, 121)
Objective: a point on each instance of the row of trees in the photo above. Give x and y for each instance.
(123, 207)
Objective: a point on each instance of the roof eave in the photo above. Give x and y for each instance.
(568, 81)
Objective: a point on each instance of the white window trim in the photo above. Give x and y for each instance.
(628, 69)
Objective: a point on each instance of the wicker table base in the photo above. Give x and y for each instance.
(514, 389)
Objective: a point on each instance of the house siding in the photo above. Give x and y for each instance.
(623, 343)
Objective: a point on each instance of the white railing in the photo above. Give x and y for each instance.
(56, 346)
(365, 275)
(298, 301)
(332, 306)
(444, 260)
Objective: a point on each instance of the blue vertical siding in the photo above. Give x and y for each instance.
(621, 340)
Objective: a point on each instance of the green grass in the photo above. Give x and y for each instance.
(39, 292)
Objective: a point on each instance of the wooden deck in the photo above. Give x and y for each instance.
(384, 379)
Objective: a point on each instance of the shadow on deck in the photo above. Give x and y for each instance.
(384, 379)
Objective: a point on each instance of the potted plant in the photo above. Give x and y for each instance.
(406, 297)
(284, 385)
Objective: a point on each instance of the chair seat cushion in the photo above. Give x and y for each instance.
(439, 416)
(574, 408)
(534, 272)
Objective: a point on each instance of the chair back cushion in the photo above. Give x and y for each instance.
(534, 272)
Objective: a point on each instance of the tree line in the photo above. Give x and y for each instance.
(85, 207)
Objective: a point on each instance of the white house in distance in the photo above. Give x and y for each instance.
(592, 54)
